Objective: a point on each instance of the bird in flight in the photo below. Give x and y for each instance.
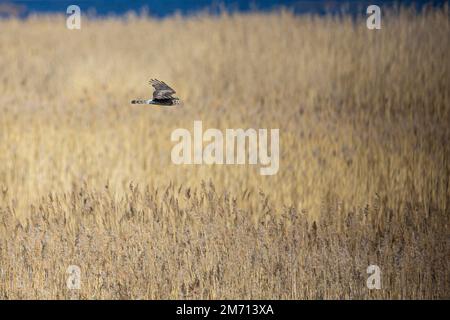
(162, 96)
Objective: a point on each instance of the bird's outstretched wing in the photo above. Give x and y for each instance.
(162, 90)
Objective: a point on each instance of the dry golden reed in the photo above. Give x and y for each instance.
(86, 178)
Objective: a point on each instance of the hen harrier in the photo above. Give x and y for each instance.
(162, 95)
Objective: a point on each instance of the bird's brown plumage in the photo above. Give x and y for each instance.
(162, 90)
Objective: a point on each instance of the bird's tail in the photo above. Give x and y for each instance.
(139, 101)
